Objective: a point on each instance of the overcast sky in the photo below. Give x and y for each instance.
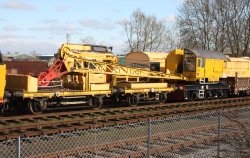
(42, 25)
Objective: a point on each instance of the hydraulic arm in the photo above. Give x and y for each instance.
(69, 52)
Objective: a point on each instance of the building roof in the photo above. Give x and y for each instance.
(206, 54)
(18, 57)
(24, 57)
(153, 55)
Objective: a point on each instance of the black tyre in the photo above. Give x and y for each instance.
(162, 98)
(34, 107)
(132, 99)
(96, 102)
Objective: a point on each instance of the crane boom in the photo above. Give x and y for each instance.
(80, 59)
(61, 67)
(95, 67)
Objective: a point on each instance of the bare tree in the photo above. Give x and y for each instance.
(237, 14)
(216, 25)
(171, 38)
(196, 24)
(146, 33)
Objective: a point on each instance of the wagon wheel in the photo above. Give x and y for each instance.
(220, 94)
(162, 98)
(96, 102)
(208, 95)
(133, 100)
(225, 92)
(192, 96)
(35, 107)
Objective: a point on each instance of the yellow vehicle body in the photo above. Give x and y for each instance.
(89, 73)
(238, 67)
(91, 52)
(195, 65)
(213, 70)
(21, 82)
(174, 61)
(203, 65)
(2, 82)
(155, 61)
(238, 75)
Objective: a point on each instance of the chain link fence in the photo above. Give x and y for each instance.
(209, 134)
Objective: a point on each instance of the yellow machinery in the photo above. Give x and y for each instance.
(200, 65)
(92, 52)
(238, 67)
(2, 79)
(90, 73)
(2, 82)
(88, 76)
(174, 62)
(202, 71)
(196, 65)
(155, 61)
(63, 63)
(238, 75)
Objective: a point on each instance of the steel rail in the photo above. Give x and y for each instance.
(33, 125)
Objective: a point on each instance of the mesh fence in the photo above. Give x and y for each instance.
(211, 134)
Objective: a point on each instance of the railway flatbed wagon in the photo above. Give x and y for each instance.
(87, 76)
(24, 93)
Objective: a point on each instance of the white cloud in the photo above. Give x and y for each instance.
(28, 47)
(62, 8)
(2, 19)
(17, 5)
(122, 21)
(95, 24)
(10, 28)
(12, 37)
(25, 44)
(49, 21)
(55, 26)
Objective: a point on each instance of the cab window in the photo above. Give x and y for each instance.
(199, 62)
(155, 66)
(203, 63)
(189, 62)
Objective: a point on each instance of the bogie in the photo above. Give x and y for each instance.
(162, 98)
(133, 99)
(96, 102)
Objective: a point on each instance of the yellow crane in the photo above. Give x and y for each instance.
(2, 80)
(86, 51)
(99, 71)
(90, 73)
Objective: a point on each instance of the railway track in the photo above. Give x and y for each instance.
(51, 123)
(163, 144)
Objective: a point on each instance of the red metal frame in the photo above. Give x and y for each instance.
(56, 70)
